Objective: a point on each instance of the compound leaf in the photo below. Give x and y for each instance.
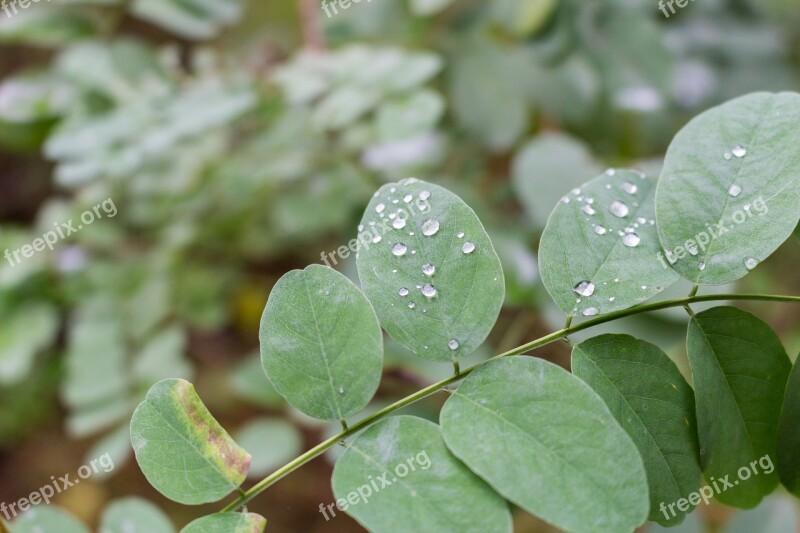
(428, 266)
(321, 344)
(182, 450)
(398, 476)
(544, 440)
(729, 193)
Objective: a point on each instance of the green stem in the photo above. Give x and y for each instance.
(323, 446)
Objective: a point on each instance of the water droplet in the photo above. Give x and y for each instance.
(394, 271)
(629, 188)
(399, 223)
(644, 287)
(565, 200)
(631, 240)
(584, 288)
(428, 269)
(407, 198)
(612, 298)
(393, 189)
(739, 151)
(376, 239)
(428, 290)
(341, 390)
(727, 156)
(750, 263)
(379, 208)
(453, 344)
(403, 292)
(399, 249)
(611, 172)
(735, 190)
(589, 210)
(619, 209)
(430, 227)
(702, 266)
(424, 195)
(616, 280)
(395, 201)
(411, 305)
(361, 227)
(589, 200)
(576, 191)
(692, 250)
(600, 230)
(468, 247)
(590, 311)
(460, 235)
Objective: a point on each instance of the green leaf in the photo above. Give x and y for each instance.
(544, 440)
(429, 7)
(788, 459)
(271, 443)
(321, 344)
(23, 332)
(46, 518)
(430, 270)
(547, 166)
(522, 18)
(182, 450)
(652, 402)
(114, 449)
(734, 165)
(193, 19)
(412, 115)
(740, 371)
(227, 523)
(134, 515)
(776, 514)
(398, 476)
(587, 266)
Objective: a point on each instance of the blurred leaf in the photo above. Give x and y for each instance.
(134, 515)
(192, 19)
(182, 450)
(249, 382)
(542, 437)
(407, 117)
(522, 18)
(24, 332)
(788, 460)
(598, 253)
(321, 344)
(740, 371)
(776, 514)
(116, 445)
(48, 25)
(429, 268)
(442, 496)
(724, 167)
(429, 7)
(227, 523)
(46, 518)
(272, 442)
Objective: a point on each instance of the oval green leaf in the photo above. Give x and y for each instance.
(652, 402)
(788, 459)
(134, 515)
(399, 476)
(428, 266)
(46, 518)
(740, 370)
(729, 193)
(321, 344)
(227, 523)
(271, 442)
(600, 252)
(182, 450)
(544, 440)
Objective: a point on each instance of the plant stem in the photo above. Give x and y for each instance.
(431, 389)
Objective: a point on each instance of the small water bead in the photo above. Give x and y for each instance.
(460, 235)
(576, 192)
(393, 189)
(428, 290)
(600, 230)
(424, 195)
(631, 240)
(702, 266)
(376, 239)
(589, 210)
(692, 250)
(428, 269)
(619, 209)
(395, 201)
(394, 271)
(565, 200)
(361, 227)
(629, 188)
(739, 151)
(407, 198)
(453, 344)
(399, 249)
(430, 227)
(735, 190)
(341, 390)
(379, 208)
(403, 292)
(727, 156)
(413, 252)
(590, 311)
(392, 216)
(411, 305)
(612, 298)
(616, 280)
(584, 288)
(399, 223)
(750, 263)
(611, 172)
(589, 201)
(468, 247)
(644, 287)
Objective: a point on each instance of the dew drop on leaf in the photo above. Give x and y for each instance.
(750, 263)
(428, 290)
(735, 190)
(379, 208)
(399, 249)
(428, 269)
(403, 292)
(589, 210)
(399, 223)
(430, 227)
(468, 247)
(619, 209)
(600, 230)
(453, 344)
(584, 288)
(739, 151)
(590, 311)
(631, 240)
(629, 188)
(424, 195)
